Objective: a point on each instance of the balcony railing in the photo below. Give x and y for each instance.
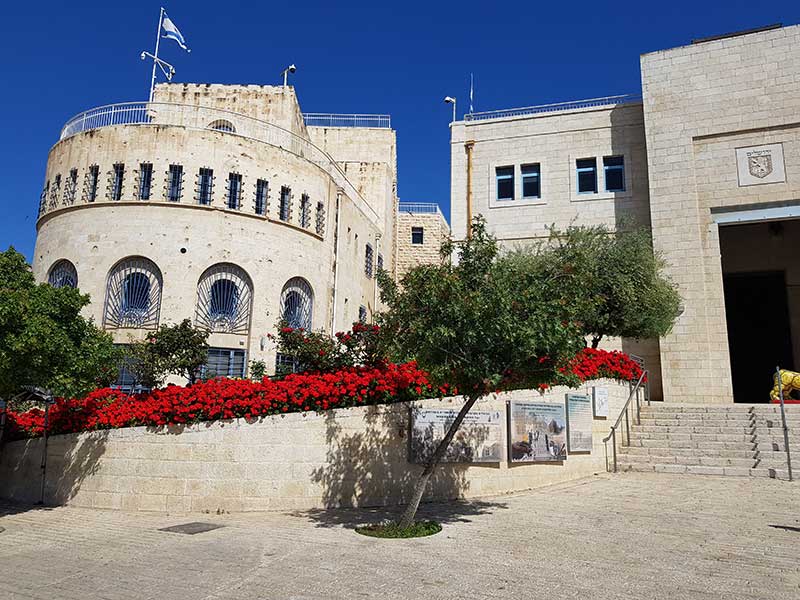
(556, 107)
(331, 120)
(203, 118)
(419, 208)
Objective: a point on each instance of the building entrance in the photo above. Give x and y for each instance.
(761, 277)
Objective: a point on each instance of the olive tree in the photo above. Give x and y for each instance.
(483, 323)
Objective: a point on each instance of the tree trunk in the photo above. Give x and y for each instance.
(413, 503)
(596, 341)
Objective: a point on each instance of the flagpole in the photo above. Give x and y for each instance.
(155, 60)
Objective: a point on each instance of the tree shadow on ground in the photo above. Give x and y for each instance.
(366, 476)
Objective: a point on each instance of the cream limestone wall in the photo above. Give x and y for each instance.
(435, 232)
(701, 103)
(344, 457)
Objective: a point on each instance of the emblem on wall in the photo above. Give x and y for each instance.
(759, 163)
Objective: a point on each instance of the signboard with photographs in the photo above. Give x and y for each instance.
(600, 402)
(579, 423)
(537, 432)
(479, 439)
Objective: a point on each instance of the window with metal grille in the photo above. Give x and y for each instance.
(286, 364)
(54, 191)
(285, 211)
(43, 198)
(320, 218)
(117, 177)
(531, 181)
(92, 179)
(63, 274)
(145, 180)
(614, 171)
(175, 183)
(587, 175)
(504, 177)
(417, 235)
(133, 294)
(205, 185)
(297, 303)
(127, 381)
(224, 299)
(262, 189)
(362, 314)
(380, 262)
(223, 362)
(305, 211)
(369, 260)
(71, 189)
(234, 190)
(222, 125)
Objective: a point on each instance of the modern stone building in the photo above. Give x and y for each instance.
(708, 158)
(223, 204)
(421, 230)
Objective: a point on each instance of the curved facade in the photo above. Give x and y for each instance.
(185, 208)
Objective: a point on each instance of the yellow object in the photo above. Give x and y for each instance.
(790, 380)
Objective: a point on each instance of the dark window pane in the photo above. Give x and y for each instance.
(615, 180)
(530, 181)
(614, 161)
(587, 181)
(417, 235)
(505, 183)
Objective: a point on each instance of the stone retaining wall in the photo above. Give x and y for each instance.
(344, 457)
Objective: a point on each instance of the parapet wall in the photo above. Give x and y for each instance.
(345, 457)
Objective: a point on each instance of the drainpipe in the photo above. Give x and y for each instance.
(468, 146)
(336, 260)
(375, 272)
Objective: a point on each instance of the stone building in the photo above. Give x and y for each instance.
(709, 159)
(224, 204)
(421, 230)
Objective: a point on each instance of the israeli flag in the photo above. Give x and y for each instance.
(173, 33)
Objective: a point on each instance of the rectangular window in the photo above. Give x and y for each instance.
(380, 262)
(285, 211)
(587, 175)
(320, 218)
(614, 168)
(72, 187)
(234, 190)
(116, 181)
(262, 188)
(175, 183)
(223, 362)
(145, 180)
(417, 235)
(43, 199)
(286, 363)
(91, 184)
(505, 183)
(205, 186)
(531, 181)
(368, 260)
(362, 314)
(305, 211)
(56, 190)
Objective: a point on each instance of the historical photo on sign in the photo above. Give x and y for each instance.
(579, 423)
(537, 432)
(600, 401)
(479, 438)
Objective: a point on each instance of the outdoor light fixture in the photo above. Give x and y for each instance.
(290, 69)
(451, 100)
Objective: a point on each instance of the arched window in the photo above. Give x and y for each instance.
(133, 294)
(224, 298)
(222, 125)
(63, 274)
(297, 303)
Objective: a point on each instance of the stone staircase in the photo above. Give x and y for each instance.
(734, 439)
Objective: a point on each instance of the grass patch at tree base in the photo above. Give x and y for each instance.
(392, 530)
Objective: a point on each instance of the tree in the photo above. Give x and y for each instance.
(171, 350)
(617, 279)
(44, 340)
(486, 323)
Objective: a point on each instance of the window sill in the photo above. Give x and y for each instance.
(517, 203)
(600, 196)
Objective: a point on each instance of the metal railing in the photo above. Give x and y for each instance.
(555, 107)
(419, 208)
(625, 434)
(202, 118)
(333, 120)
(779, 384)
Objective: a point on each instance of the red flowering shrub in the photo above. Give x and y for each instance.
(217, 399)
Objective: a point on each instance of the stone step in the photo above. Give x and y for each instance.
(702, 443)
(774, 473)
(667, 451)
(698, 408)
(711, 461)
(684, 436)
(731, 429)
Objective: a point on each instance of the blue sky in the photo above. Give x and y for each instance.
(353, 57)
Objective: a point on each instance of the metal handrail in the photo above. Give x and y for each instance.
(779, 383)
(419, 207)
(624, 413)
(193, 116)
(554, 107)
(334, 120)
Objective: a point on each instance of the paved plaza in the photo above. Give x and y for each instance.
(622, 536)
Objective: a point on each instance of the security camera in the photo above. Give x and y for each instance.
(292, 68)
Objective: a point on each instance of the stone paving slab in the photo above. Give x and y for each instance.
(632, 535)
